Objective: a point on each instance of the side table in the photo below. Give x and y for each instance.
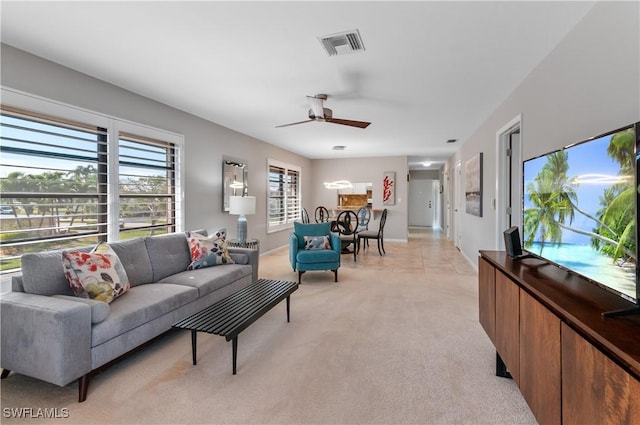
(249, 243)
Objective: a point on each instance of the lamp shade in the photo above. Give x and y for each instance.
(242, 205)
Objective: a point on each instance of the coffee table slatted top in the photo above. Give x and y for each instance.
(233, 314)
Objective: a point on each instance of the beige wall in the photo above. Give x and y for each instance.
(589, 84)
(363, 170)
(205, 145)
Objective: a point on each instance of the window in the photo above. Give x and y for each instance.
(52, 184)
(146, 186)
(284, 195)
(82, 179)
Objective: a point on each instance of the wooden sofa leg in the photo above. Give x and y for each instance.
(300, 276)
(83, 387)
(335, 272)
(5, 373)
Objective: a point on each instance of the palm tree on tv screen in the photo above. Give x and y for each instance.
(555, 203)
(552, 194)
(617, 215)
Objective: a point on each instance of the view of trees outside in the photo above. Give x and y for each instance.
(54, 189)
(68, 206)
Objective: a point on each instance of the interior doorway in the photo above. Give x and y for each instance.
(457, 206)
(508, 178)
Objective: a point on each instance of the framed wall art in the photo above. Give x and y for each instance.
(389, 188)
(473, 185)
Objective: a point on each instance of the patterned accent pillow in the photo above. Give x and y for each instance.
(316, 242)
(207, 251)
(97, 275)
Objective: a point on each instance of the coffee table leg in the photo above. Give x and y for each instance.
(234, 344)
(193, 345)
(287, 309)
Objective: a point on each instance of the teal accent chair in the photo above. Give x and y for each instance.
(303, 260)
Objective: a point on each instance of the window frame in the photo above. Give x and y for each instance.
(288, 221)
(40, 107)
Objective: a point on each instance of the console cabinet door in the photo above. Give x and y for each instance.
(540, 377)
(508, 324)
(595, 390)
(487, 297)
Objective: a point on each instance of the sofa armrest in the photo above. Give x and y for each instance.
(45, 337)
(254, 258)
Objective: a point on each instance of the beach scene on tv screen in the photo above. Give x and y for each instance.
(579, 210)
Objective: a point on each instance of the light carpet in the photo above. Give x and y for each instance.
(396, 340)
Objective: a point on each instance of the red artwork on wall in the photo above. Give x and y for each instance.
(388, 188)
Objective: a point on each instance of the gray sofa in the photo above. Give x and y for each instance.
(49, 334)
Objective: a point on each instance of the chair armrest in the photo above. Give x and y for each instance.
(293, 249)
(45, 337)
(254, 258)
(336, 242)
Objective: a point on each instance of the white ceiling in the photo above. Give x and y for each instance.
(431, 71)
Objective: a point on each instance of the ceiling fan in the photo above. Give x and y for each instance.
(318, 112)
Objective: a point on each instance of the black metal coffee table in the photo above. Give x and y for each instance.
(233, 314)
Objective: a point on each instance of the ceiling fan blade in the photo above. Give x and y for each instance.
(293, 123)
(359, 124)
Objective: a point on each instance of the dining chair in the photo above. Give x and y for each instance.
(321, 214)
(347, 224)
(364, 216)
(373, 234)
(304, 215)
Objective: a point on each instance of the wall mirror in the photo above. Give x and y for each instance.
(235, 180)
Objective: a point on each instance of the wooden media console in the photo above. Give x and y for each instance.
(572, 365)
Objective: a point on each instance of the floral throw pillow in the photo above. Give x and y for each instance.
(316, 242)
(207, 251)
(97, 275)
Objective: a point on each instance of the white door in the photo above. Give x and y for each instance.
(421, 204)
(436, 195)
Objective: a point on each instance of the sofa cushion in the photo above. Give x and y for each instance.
(209, 279)
(99, 309)
(42, 274)
(207, 251)
(135, 260)
(97, 275)
(169, 254)
(142, 304)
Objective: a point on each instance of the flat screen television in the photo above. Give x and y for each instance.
(580, 209)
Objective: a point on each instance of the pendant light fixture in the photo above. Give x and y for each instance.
(338, 184)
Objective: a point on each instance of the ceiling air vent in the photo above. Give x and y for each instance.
(342, 43)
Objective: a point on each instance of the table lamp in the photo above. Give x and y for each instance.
(242, 206)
